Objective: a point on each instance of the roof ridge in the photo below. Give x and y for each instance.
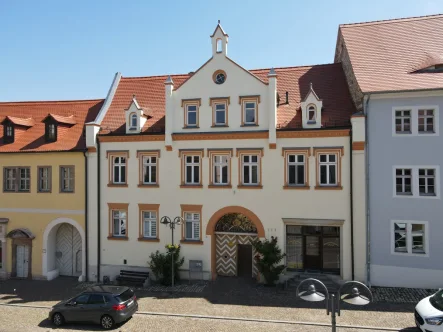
(76, 101)
(392, 20)
(154, 76)
(291, 67)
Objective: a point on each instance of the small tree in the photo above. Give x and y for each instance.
(160, 264)
(268, 256)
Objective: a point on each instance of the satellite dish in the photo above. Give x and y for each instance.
(312, 295)
(355, 298)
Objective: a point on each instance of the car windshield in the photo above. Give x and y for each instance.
(125, 296)
(437, 300)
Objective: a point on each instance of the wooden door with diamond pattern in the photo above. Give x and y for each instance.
(68, 251)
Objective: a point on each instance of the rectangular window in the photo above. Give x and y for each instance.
(403, 121)
(403, 181)
(192, 169)
(10, 179)
(119, 169)
(192, 226)
(250, 113)
(220, 114)
(191, 115)
(328, 169)
(426, 181)
(119, 223)
(220, 169)
(149, 169)
(67, 179)
(296, 169)
(24, 179)
(426, 121)
(44, 179)
(149, 224)
(250, 169)
(409, 237)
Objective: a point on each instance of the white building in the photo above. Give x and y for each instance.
(238, 154)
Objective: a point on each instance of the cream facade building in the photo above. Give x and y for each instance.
(238, 154)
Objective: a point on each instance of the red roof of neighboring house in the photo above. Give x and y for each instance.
(385, 55)
(328, 82)
(33, 138)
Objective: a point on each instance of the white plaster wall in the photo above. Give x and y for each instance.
(397, 276)
(92, 215)
(238, 83)
(270, 204)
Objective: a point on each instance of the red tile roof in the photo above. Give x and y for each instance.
(33, 139)
(328, 82)
(63, 119)
(28, 122)
(385, 54)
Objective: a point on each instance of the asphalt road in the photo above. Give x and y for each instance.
(31, 319)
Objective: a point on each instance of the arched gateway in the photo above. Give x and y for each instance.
(232, 230)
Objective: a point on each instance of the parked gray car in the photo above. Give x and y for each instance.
(104, 305)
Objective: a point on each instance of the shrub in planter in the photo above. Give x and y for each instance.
(160, 264)
(268, 257)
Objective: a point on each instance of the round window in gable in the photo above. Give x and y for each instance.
(219, 77)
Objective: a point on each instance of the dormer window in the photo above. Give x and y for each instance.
(133, 121)
(51, 132)
(9, 133)
(311, 113)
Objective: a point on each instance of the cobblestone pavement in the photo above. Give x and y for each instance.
(227, 298)
(30, 320)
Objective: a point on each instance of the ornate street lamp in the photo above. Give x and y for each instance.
(349, 292)
(172, 223)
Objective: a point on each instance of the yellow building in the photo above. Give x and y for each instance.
(43, 177)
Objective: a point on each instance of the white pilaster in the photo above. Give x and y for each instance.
(272, 77)
(169, 116)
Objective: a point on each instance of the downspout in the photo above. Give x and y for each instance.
(86, 214)
(98, 210)
(352, 204)
(368, 228)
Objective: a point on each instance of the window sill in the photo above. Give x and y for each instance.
(17, 192)
(250, 187)
(311, 122)
(220, 126)
(118, 238)
(191, 127)
(191, 186)
(195, 242)
(44, 192)
(142, 185)
(147, 239)
(328, 188)
(249, 125)
(116, 185)
(66, 192)
(220, 186)
(297, 187)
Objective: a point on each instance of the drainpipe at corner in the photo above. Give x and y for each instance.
(86, 217)
(98, 210)
(351, 173)
(368, 226)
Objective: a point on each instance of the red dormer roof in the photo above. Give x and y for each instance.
(75, 113)
(25, 122)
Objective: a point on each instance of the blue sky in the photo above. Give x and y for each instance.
(54, 50)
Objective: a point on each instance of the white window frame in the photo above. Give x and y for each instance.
(187, 115)
(224, 111)
(409, 238)
(194, 166)
(296, 164)
(250, 165)
(414, 120)
(121, 168)
(404, 177)
(245, 110)
(415, 181)
(131, 119)
(328, 164)
(120, 218)
(426, 177)
(147, 162)
(9, 130)
(220, 164)
(194, 218)
(425, 117)
(314, 110)
(150, 219)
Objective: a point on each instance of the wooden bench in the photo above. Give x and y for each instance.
(134, 277)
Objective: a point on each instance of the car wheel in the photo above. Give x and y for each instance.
(58, 319)
(107, 322)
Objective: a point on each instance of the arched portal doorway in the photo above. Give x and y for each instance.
(64, 249)
(232, 229)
